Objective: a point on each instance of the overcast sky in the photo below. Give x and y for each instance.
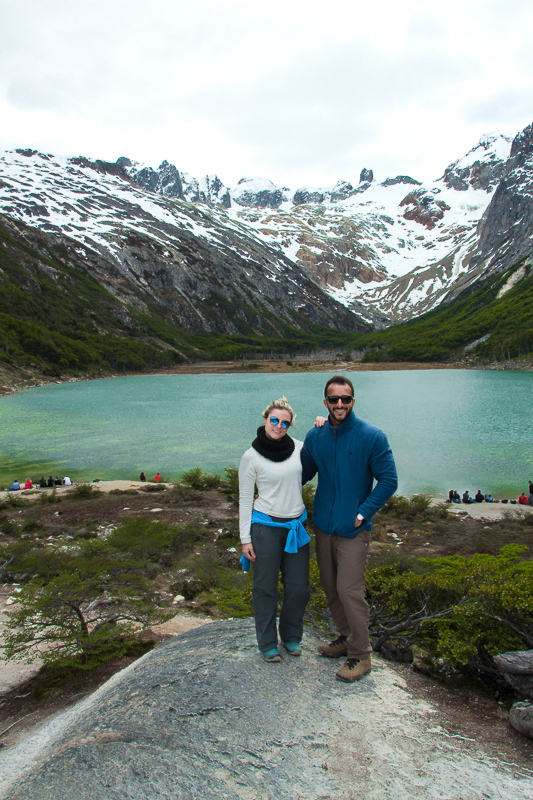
(303, 93)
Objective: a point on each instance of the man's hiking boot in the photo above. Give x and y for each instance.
(353, 669)
(335, 649)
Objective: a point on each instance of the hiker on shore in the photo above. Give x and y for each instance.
(348, 454)
(272, 532)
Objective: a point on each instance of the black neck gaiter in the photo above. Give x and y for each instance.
(279, 450)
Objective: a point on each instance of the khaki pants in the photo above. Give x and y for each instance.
(342, 564)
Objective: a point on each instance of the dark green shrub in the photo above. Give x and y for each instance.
(196, 478)
(49, 498)
(85, 491)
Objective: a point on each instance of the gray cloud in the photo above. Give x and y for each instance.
(290, 93)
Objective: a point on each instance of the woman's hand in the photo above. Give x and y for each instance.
(320, 422)
(248, 551)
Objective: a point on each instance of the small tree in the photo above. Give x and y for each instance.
(85, 611)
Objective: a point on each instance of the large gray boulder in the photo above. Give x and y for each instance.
(203, 718)
(517, 668)
(521, 718)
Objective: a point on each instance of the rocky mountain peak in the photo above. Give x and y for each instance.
(258, 192)
(366, 176)
(482, 167)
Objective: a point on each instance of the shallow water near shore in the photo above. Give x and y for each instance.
(447, 428)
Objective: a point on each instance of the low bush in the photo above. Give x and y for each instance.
(49, 498)
(196, 478)
(231, 484)
(84, 491)
(418, 506)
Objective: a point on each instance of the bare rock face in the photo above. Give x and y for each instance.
(505, 229)
(422, 206)
(202, 716)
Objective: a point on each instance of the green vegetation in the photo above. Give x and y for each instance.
(460, 611)
(504, 324)
(196, 478)
(87, 589)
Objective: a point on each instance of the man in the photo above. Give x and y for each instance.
(348, 454)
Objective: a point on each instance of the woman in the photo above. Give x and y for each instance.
(272, 534)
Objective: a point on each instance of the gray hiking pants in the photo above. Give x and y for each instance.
(271, 559)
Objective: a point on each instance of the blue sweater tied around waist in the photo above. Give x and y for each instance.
(296, 537)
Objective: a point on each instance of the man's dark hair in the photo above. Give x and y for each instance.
(342, 381)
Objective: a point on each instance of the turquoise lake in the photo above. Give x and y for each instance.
(447, 428)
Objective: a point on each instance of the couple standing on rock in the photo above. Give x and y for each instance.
(348, 454)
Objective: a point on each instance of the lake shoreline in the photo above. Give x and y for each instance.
(13, 381)
(488, 511)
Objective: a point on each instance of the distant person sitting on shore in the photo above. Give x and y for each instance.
(28, 484)
(466, 498)
(158, 478)
(57, 481)
(450, 495)
(479, 497)
(142, 476)
(456, 498)
(15, 486)
(50, 482)
(42, 482)
(523, 499)
(67, 481)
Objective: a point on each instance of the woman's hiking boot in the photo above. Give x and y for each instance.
(335, 649)
(353, 669)
(271, 655)
(293, 648)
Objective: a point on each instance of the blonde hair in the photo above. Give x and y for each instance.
(283, 405)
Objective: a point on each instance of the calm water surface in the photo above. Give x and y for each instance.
(447, 428)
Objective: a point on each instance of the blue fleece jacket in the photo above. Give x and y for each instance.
(348, 458)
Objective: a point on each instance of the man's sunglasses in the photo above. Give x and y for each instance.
(284, 423)
(345, 399)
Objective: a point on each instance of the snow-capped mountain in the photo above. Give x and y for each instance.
(384, 250)
(209, 272)
(388, 250)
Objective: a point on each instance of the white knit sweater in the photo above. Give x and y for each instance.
(279, 485)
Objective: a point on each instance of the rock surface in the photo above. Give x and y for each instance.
(202, 716)
(521, 718)
(517, 667)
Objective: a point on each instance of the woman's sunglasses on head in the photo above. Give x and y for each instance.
(284, 423)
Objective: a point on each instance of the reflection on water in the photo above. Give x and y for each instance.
(447, 428)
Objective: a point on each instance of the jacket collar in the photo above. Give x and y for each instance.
(346, 426)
